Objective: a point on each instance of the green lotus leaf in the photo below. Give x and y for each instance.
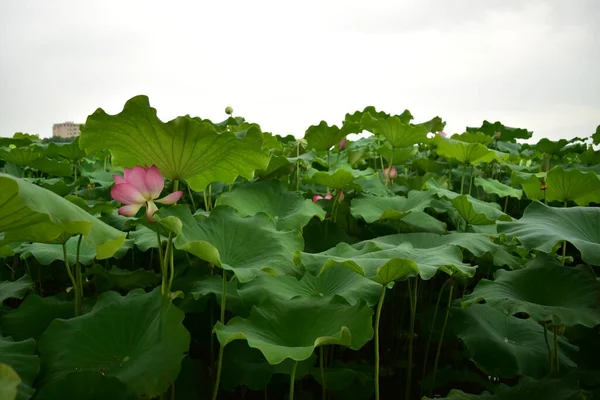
(548, 293)
(122, 279)
(243, 365)
(93, 207)
(21, 357)
(69, 151)
(373, 208)
(353, 122)
(342, 177)
(247, 246)
(477, 212)
(323, 137)
(34, 315)
(86, 385)
(473, 137)
(550, 147)
(289, 210)
(394, 263)
(397, 155)
(53, 167)
(31, 213)
(596, 136)
(21, 156)
(543, 227)
(294, 329)
(144, 238)
(351, 382)
(333, 281)
(138, 339)
(46, 253)
(417, 221)
(572, 185)
(397, 132)
(183, 149)
(493, 186)
(14, 289)
(508, 134)
(466, 153)
(506, 346)
(531, 184)
(9, 381)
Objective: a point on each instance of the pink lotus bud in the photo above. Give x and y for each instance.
(391, 172)
(498, 134)
(341, 195)
(316, 198)
(342, 144)
(443, 134)
(328, 196)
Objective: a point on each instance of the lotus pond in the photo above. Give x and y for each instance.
(198, 260)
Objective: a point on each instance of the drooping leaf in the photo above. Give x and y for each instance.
(22, 358)
(547, 293)
(373, 208)
(543, 227)
(507, 134)
(123, 279)
(397, 132)
(86, 385)
(478, 212)
(247, 246)
(31, 213)
(69, 151)
(596, 136)
(53, 167)
(183, 149)
(21, 156)
(397, 155)
(531, 184)
(572, 185)
(493, 186)
(294, 329)
(138, 339)
(289, 210)
(506, 346)
(466, 153)
(14, 289)
(343, 177)
(46, 253)
(323, 137)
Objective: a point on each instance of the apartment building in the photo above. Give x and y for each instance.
(65, 130)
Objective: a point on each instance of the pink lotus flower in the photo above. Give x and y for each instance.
(390, 172)
(140, 187)
(443, 134)
(342, 144)
(317, 197)
(498, 134)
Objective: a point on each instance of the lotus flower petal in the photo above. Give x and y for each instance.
(154, 181)
(127, 194)
(137, 178)
(118, 179)
(151, 210)
(171, 199)
(328, 196)
(316, 198)
(130, 210)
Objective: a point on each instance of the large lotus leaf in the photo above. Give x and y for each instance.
(184, 148)
(349, 381)
(46, 253)
(138, 339)
(92, 206)
(34, 315)
(53, 167)
(397, 155)
(14, 289)
(122, 279)
(21, 357)
(373, 208)
(572, 185)
(144, 238)
(395, 263)
(353, 122)
(70, 151)
(543, 227)
(493, 186)
(417, 221)
(293, 329)
(506, 346)
(333, 281)
(550, 147)
(9, 382)
(507, 133)
(31, 213)
(323, 136)
(477, 243)
(86, 385)
(466, 153)
(243, 365)
(247, 246)
(596, 136)
(548, 293)
(288, 209)
(342, 177)
(397, 132)
(473, 137)
(531, 184)
(477, 212)
(22, 156)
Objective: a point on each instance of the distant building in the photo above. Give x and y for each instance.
(65, 130)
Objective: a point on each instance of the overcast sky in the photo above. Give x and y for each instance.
(288, 65)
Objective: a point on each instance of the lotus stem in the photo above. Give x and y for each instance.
(221, 348)
(564, 245)
(78, 276)
(176, 185)
(437, 305)
(550, 352)
(556, 355)
(412, 292)
(471, 179)
(505, 204)
(293, 380)
(73, 282)
(191, 198)
(439, 348)
(462, 180)
(171, 265)
(377, 319)
(298, 165)
(322, 368)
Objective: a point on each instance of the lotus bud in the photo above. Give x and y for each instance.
(342, 144)
(328, 196)
(316, 198)
(498, 134)
(340, 195)
(391, 172)
(228, 110)
(443, 134)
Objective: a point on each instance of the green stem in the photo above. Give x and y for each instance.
(176, 185)
(564, 246)
(550, 352)
(220, 360)
(160, 250)
(78, 275)
(377, 319)
(471, 179)
(439, 348)
(437, 305)
(462, 180)
(411, 334)
(556, 355)
(205, 201)
(165, 265)
(73, 282)
(505, 204)
(322, 368)
(171, 265)
(210, 204)
(298, 166)
(293, 380)
(192, 199)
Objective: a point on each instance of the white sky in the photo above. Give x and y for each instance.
(288, 65)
